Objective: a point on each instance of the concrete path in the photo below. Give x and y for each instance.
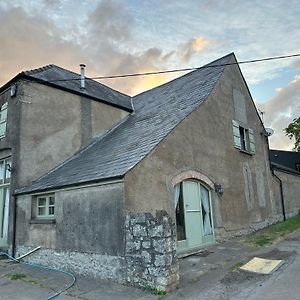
(218, 277)
(213, 274)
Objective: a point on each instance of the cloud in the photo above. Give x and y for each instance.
(101, 46)
(280, 111)
(28, 42)
(150, 60)
(193, 46)
(109, 21)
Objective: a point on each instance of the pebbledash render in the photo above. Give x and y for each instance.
(118, 187)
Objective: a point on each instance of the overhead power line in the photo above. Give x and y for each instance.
(183, 69)
(196, 68)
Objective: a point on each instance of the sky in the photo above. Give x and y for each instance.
(128, 36)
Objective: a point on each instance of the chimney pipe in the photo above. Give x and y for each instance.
(82, 77)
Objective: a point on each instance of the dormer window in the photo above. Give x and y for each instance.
(3, 119)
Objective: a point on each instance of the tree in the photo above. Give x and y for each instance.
(293, 131)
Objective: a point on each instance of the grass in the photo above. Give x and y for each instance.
(16, 276)
(273, 233)
(235, 267)
(20, 276)
(155, 291)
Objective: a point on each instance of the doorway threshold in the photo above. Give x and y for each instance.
(198, 251)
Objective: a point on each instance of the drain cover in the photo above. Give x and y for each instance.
(262, 265)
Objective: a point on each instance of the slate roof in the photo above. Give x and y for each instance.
(55, 76)
(156, 113)
(286, 159)
(284, 168)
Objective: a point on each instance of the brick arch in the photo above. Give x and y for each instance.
(192, 175)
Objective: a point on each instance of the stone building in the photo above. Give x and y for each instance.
(119, 187)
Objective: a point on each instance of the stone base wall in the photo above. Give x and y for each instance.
(85, 264)
(150, 253)
(149, 261)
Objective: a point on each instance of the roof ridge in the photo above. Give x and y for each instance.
(87, 78)
(189, 73)
(37, 70)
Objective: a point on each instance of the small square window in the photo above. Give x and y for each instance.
(45, 206)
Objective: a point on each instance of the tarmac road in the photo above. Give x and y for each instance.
(222, 283)
(211, 275)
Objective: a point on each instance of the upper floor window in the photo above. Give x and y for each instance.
(243, 137)
(5, 170)
(3, 118)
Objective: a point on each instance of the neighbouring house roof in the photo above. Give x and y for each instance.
(61, 78)
(284, 169)
(287, 159)
(156, 113)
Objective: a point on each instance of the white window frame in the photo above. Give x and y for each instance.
(3, 119)
(5, 176)
(47, 206)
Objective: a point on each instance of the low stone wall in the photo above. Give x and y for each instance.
(149, 261)
(150, 252)
(85, 264)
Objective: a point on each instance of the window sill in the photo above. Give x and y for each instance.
(42, 221)
(246, 152)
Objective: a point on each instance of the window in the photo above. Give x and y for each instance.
(45, 206)
(5, 167)
(179, 210)
(3, 117)
(243, 137)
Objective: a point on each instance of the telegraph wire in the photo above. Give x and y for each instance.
(183, 69)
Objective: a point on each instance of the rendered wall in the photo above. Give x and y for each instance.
(291, 192)
(54, 125)
(94, 237)
(203, 142)
(87, 236)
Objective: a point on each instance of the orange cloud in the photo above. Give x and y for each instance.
(192, 47)
(149, 82)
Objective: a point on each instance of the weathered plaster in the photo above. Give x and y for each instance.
(203, 142)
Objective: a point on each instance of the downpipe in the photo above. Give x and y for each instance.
(281, 194)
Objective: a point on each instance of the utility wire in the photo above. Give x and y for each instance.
(183, 69)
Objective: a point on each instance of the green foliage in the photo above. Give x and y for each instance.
(235, 267)
(15, 276)
(293, 131)
(155, 291)
(274, 232)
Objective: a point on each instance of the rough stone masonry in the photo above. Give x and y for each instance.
(151, 251)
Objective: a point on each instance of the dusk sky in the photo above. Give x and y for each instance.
(117, 37)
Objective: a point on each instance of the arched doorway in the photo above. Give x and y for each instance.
(193, 211)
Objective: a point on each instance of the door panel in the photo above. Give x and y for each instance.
(192, 213)
(197, 215)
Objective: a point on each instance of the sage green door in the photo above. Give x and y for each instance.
(197, 216)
